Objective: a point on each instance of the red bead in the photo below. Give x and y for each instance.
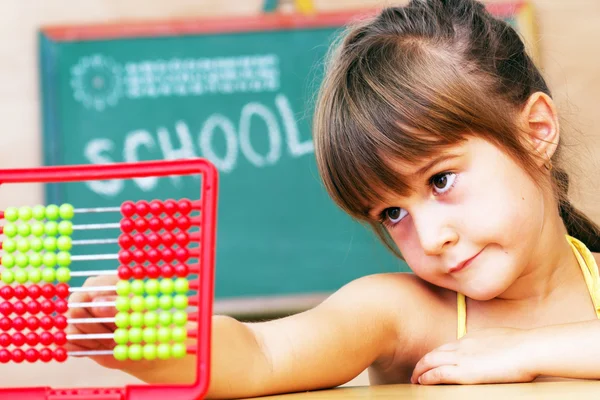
(33, 307)
(6, 292)
(32, 338)
(182, 238)
(184, 223)
(185, 206)
(60, 354)
(167, 271)
(19, 323)
(181, 270)
(6, 308)
(18, 355)
(60, 338)
(20, 307)
(32, 355)
(153, 271)
(141, 224)
(5, 340)
(46, 354)
(168, 239)
(169, 223)
(48, 291)
(156, 207)
(46, 338)
(168, 255)
(155, 224)
(154, 240)
(47, 307)
(61, 306)
(18, 339)
(20, 292)
(182, 254)
(62, 290)
(33, 323)
(5, 324)
(124, 272)
(170, 207)
(139, 256)
(128, 208)
(34, 291)
(140, 240)
(46, 322)
(125, 241)
(138, 272)
(153, 255)
(127, 225)
(60, 322)
(142, 208)
(5, 356)
(125, 257)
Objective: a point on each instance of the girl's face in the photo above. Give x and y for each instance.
(471, 223)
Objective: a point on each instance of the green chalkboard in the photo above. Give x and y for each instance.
(238, 92)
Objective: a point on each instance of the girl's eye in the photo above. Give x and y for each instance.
(443, 182)
(395, 214)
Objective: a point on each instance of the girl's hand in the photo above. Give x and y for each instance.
(486, 356)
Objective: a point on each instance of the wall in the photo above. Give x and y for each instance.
(568, 33)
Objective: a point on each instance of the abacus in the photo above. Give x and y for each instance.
(163, 269)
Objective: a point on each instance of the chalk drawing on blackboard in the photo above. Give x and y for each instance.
(97, 81)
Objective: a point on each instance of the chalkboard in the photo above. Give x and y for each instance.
(236, 91)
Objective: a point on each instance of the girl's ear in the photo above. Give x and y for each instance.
(540, 120)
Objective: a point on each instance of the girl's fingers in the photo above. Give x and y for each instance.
(433, 360)
(444, 374)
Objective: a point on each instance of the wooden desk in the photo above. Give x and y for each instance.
(538, 390)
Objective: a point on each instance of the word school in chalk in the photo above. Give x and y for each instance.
(238, 144)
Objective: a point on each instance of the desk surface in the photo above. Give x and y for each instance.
(537, 390)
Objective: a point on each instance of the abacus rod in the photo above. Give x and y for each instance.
(84, 336)
(107, 320)
(93, 304)
(94, 241)
(95, 257)
(93, 289)
(88, 353)
(85, 227)
(96, 210)
(93, 273)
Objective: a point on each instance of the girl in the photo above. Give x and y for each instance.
(434, 126)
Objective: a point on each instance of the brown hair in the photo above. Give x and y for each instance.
(414, 80)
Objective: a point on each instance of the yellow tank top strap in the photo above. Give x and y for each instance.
(461, 312)
(589, 268)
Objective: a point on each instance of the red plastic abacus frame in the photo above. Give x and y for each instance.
(204, 297)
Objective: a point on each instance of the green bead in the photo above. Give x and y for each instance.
(9, 245)
(21, 276)
(63, 258)
(120, 352)
(10, 230)
(49, 259)
(36, 244)
(135, 352)
(64, 243)
(165, 302)
(48, 275)
(24, 230)
(25, 213)
(163, 351)
(22, 260)
(35, 259)
(38, 212)
(163, 334)
(121, 336)
(34, 275)
(65, 228)
(51, 228)
(135, 335)
(151, 303)
(152, 287)
(66, 211)
(137, 303)
(8, 276)
(122, 304)
(8, 260)
(122, 320)
(149, 335)
(178, 350)
(37, 229)
(123, 288)
(166, 286)
(180, 318)
(164, 318)
(182, 286)
(50, 243)
(180, 301)
(11, 214)
(178, 334)
(137, 287)
(52, 212)
(63, 274)
(150, 319)
(150, 352)
(23, 245)
(136, 319)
